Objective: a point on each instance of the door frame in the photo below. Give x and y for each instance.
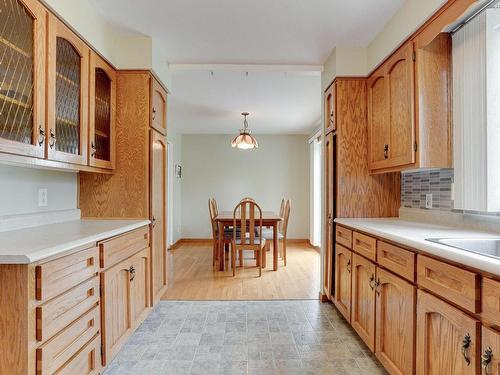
(170, 192)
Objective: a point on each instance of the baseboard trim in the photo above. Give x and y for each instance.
(323, 297)
(317, 248)
(208, 241)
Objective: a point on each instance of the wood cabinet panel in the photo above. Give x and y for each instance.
(122, 247)
(343, 271)
(400, 84)
(330, 109)
(363, 299)
(57, 276)
(490, 352)
(364, 245)
(491, 301)
(329, 214)
(56, 352)
(395, 323)
(67, 94)
(86, 362)
(343, 236)
(159, 215)
(125, 298)
(102, 113)
(378, 120)
(22, 95)
(53, 316)
(447, 339)
(452, 283)
(159, 107)
(397, 260)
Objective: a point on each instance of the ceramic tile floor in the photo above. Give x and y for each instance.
(235, 337)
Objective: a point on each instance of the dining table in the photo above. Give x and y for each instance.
(270, 219)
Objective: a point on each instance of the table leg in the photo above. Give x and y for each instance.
(275, 246)
(220, 247)
(263, 254)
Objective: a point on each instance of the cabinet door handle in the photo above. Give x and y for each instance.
(132, 273)
(386, 151)
(41, 135)
(466, 341)
(94, 149)
(486, 360)
(377, 286)
(52, 141)
(154, 113)
(349, 266)
(153, 221)
(372, 281)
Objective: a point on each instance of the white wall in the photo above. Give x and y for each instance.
(278, 168)
(19, 190)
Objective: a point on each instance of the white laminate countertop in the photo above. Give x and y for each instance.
(29, 245)
(413, 234)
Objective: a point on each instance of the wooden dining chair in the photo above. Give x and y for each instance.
(282, 233)
(247, 238)
(219, 242)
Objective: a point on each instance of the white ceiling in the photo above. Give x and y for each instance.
(251, 31)
(284, 32)
(278, 102)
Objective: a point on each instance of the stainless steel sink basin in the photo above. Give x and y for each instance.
(484, 246)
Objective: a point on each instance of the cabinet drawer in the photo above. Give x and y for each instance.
(364, 245)
(119, 248)
(452, 283)
(343, 236)
(491, 301)
(396, 259)
(56, 352)
(86, 362)
(57, 276)
(53, 316)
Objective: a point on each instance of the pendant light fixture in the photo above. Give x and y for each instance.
(245, 140)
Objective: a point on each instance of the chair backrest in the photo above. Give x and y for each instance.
(213, 214)
(282, 207)
(248, 199)
(286, 216)
(216, 207)
(247, 210)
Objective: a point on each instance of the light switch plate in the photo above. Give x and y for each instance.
(428, 200)
(43, 198)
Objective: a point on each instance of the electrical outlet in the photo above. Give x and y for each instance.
(43, 198)
(428, 200)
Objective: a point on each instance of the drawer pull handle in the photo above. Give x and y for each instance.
(372, 282)
(486, 360)
(465, 345)
(41, 136)
(52, 141)
(132, 273)
(349, 266)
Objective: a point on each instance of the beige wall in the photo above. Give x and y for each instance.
(278, 168)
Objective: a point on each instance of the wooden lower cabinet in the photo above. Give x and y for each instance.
(124, 301)
(447, 339)
(490, 357)
(86, 362)
(363, 299)
(343, 269)
(395, 323)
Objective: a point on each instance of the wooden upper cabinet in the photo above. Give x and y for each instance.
(102, 112)
(447, 339)
(391, 125)
(67, 94)
(330, 109)
(363, 299)
(22, 77)
(343, 271)
(159, 215)
(158, 107)
(395, 323)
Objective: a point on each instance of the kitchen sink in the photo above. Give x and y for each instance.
(484, 246)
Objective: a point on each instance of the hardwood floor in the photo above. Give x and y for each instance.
(191, 276)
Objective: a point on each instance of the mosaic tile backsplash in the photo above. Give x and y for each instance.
(415, 185)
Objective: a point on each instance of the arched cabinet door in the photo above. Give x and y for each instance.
(159, 107)
(22, 77)
(378, 121)
(102, 110)
(67, 95)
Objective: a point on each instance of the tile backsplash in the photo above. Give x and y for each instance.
(416, 184)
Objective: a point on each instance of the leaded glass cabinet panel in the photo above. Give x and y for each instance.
(22, 77)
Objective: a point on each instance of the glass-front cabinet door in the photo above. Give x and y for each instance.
(102, 113)
(22, 77)
(67, 95)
